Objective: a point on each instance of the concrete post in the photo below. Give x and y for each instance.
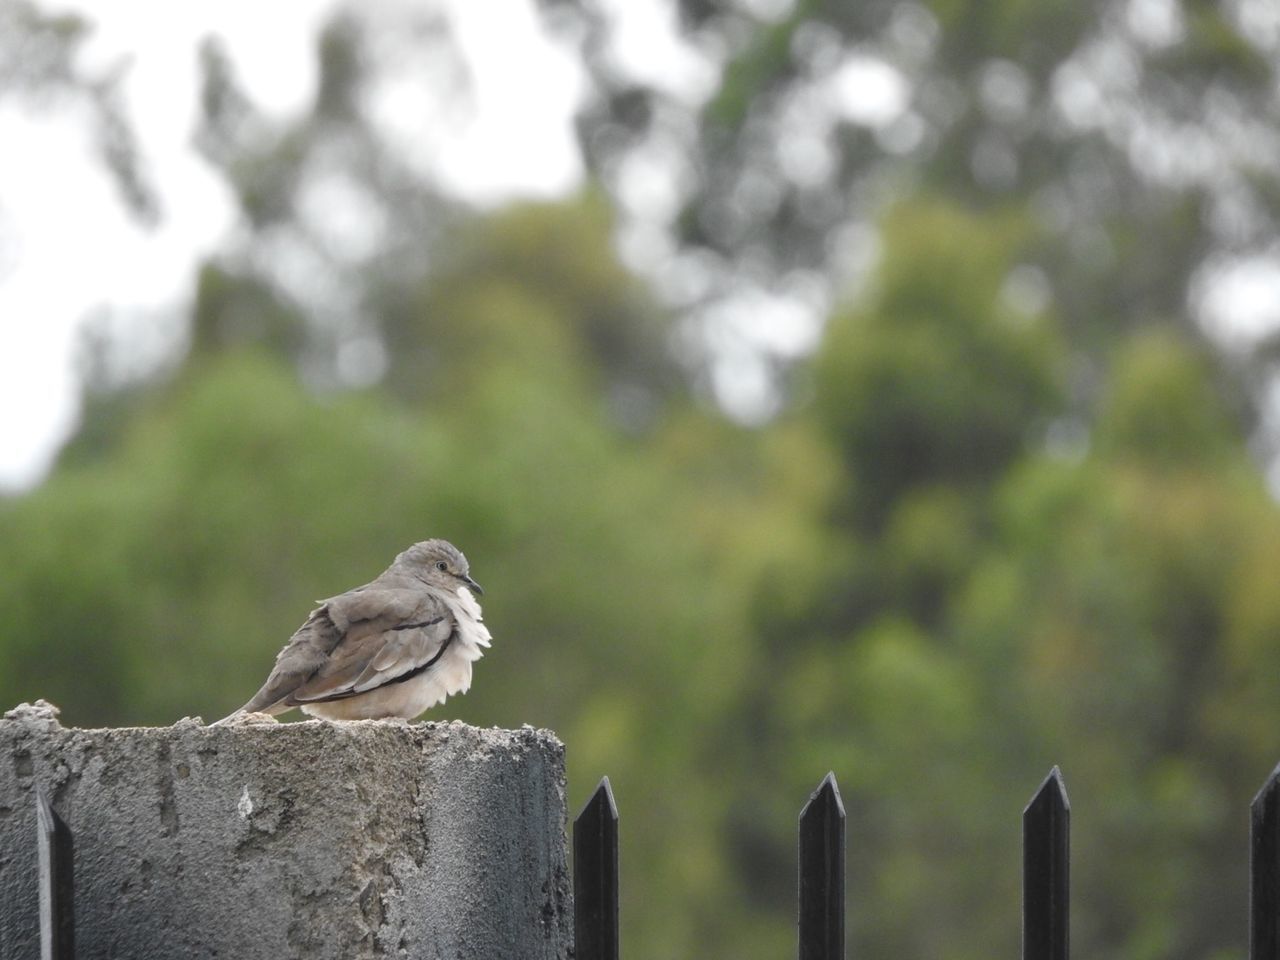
(308, 840)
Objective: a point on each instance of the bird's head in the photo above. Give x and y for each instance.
(440, 564)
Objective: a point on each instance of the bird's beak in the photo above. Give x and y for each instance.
(475, 587)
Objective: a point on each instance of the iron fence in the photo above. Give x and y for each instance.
(1046, 835)
(1046, 839)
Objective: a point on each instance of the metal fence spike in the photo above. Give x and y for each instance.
(57, 887)
(822, 874)
(595, 877)
(1046, 855)
(1264, 871)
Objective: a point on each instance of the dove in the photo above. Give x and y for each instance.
(394, 647)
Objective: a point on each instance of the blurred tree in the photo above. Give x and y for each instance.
(936, 380)
(38, 68)
(1119, 590)
(993, 600)
(1007, 518)
(1131, 133)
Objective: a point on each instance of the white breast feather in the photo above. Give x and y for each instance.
(449, 675)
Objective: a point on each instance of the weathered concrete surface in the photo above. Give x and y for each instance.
(309, 840)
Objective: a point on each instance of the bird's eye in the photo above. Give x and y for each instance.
(441, 566)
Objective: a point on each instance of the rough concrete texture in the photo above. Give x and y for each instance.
(310, 840)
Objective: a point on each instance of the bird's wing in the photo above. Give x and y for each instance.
(380, 649)
(385, 599)
(338, 630)
(303, 655)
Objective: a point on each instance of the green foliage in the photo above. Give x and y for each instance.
(1114, 609)
(933, 379)
(543, 277)
(1030, 32)
(755, 69)
(1161, 407)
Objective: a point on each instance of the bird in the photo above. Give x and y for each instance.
(394, 647)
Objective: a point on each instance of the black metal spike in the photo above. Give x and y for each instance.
(57, 887)
(1046, 855)
(1264, 871)
(821, 889)
(595, 877)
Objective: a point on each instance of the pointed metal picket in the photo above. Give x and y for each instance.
(1046, 854)
(1264, 871)
(822, 852)
(57, 918)
(595, 877)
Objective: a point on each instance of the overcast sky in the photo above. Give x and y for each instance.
(69, 248)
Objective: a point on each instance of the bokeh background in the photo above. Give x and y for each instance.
(880, 387)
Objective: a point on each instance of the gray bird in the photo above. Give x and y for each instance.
(392, 648)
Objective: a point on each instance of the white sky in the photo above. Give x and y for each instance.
(53, 272)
